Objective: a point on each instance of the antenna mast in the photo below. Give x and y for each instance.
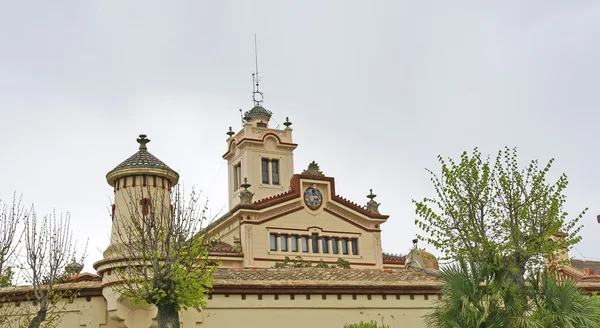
(257, 96)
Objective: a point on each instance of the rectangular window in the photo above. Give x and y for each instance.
(237, 176)
(284, 239)
(315, 243)
(334, 245)
(305, 244)
(275, 171)
(273, 238)
(345, 246)
(294, 243)
(265, 171)
(325, 244)
(355, 246)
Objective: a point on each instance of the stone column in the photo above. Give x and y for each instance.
(320, 244)
(329, 242)
(309, 242)
(278, 242)
(349, 245)
(339, 245)
(289, 242)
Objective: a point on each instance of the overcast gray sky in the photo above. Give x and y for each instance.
(375, 90)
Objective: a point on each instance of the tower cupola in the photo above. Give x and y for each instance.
(259, 115)
(142, 184)
(142, 163)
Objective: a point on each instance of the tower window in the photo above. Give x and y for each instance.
(265, 170)
(275, 171)
(237, 176)
(145, 206)
(270, 171)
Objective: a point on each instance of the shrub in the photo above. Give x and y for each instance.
(362, 324)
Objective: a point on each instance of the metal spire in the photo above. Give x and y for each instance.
(257, 96)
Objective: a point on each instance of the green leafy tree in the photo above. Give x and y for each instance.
(167, 255)
(497, 214)
(475, 299)
(556, 303)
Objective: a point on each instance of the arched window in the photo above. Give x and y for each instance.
(145, 206)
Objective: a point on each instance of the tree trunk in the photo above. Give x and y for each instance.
(168, 317)
(38, 319)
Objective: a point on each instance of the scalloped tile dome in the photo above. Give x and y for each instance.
(143, 158)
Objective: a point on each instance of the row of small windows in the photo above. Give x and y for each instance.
(313, 244)
(142, 180)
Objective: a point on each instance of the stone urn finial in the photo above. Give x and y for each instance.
(237, 244)
(230, 133)
(372, 205)
(287, 122)
(142, 140)
(246, 195)
(73, 268)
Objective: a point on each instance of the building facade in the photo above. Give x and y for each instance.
(275, 212)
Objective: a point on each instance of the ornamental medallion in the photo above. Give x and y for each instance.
(313, 197)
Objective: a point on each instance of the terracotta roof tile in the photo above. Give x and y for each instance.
(322, 277)
(583, 264)
(393, 258)
(143, 158)
(222, 247)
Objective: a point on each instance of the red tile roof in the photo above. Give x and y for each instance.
(222, 247)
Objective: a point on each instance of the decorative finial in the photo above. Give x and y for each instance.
(230, 133)
(313, 170)
(237, 244)
(142, 140)
(245, 185)
(287, 122)
(372, 205)
(246, 195)
(73, 268)
(371, 195)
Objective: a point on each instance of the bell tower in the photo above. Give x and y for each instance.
(259, 156)
(260, 159)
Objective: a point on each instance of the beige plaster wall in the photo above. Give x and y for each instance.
(250, 311)
(233, 311)
(79, 314)
(127, 203)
